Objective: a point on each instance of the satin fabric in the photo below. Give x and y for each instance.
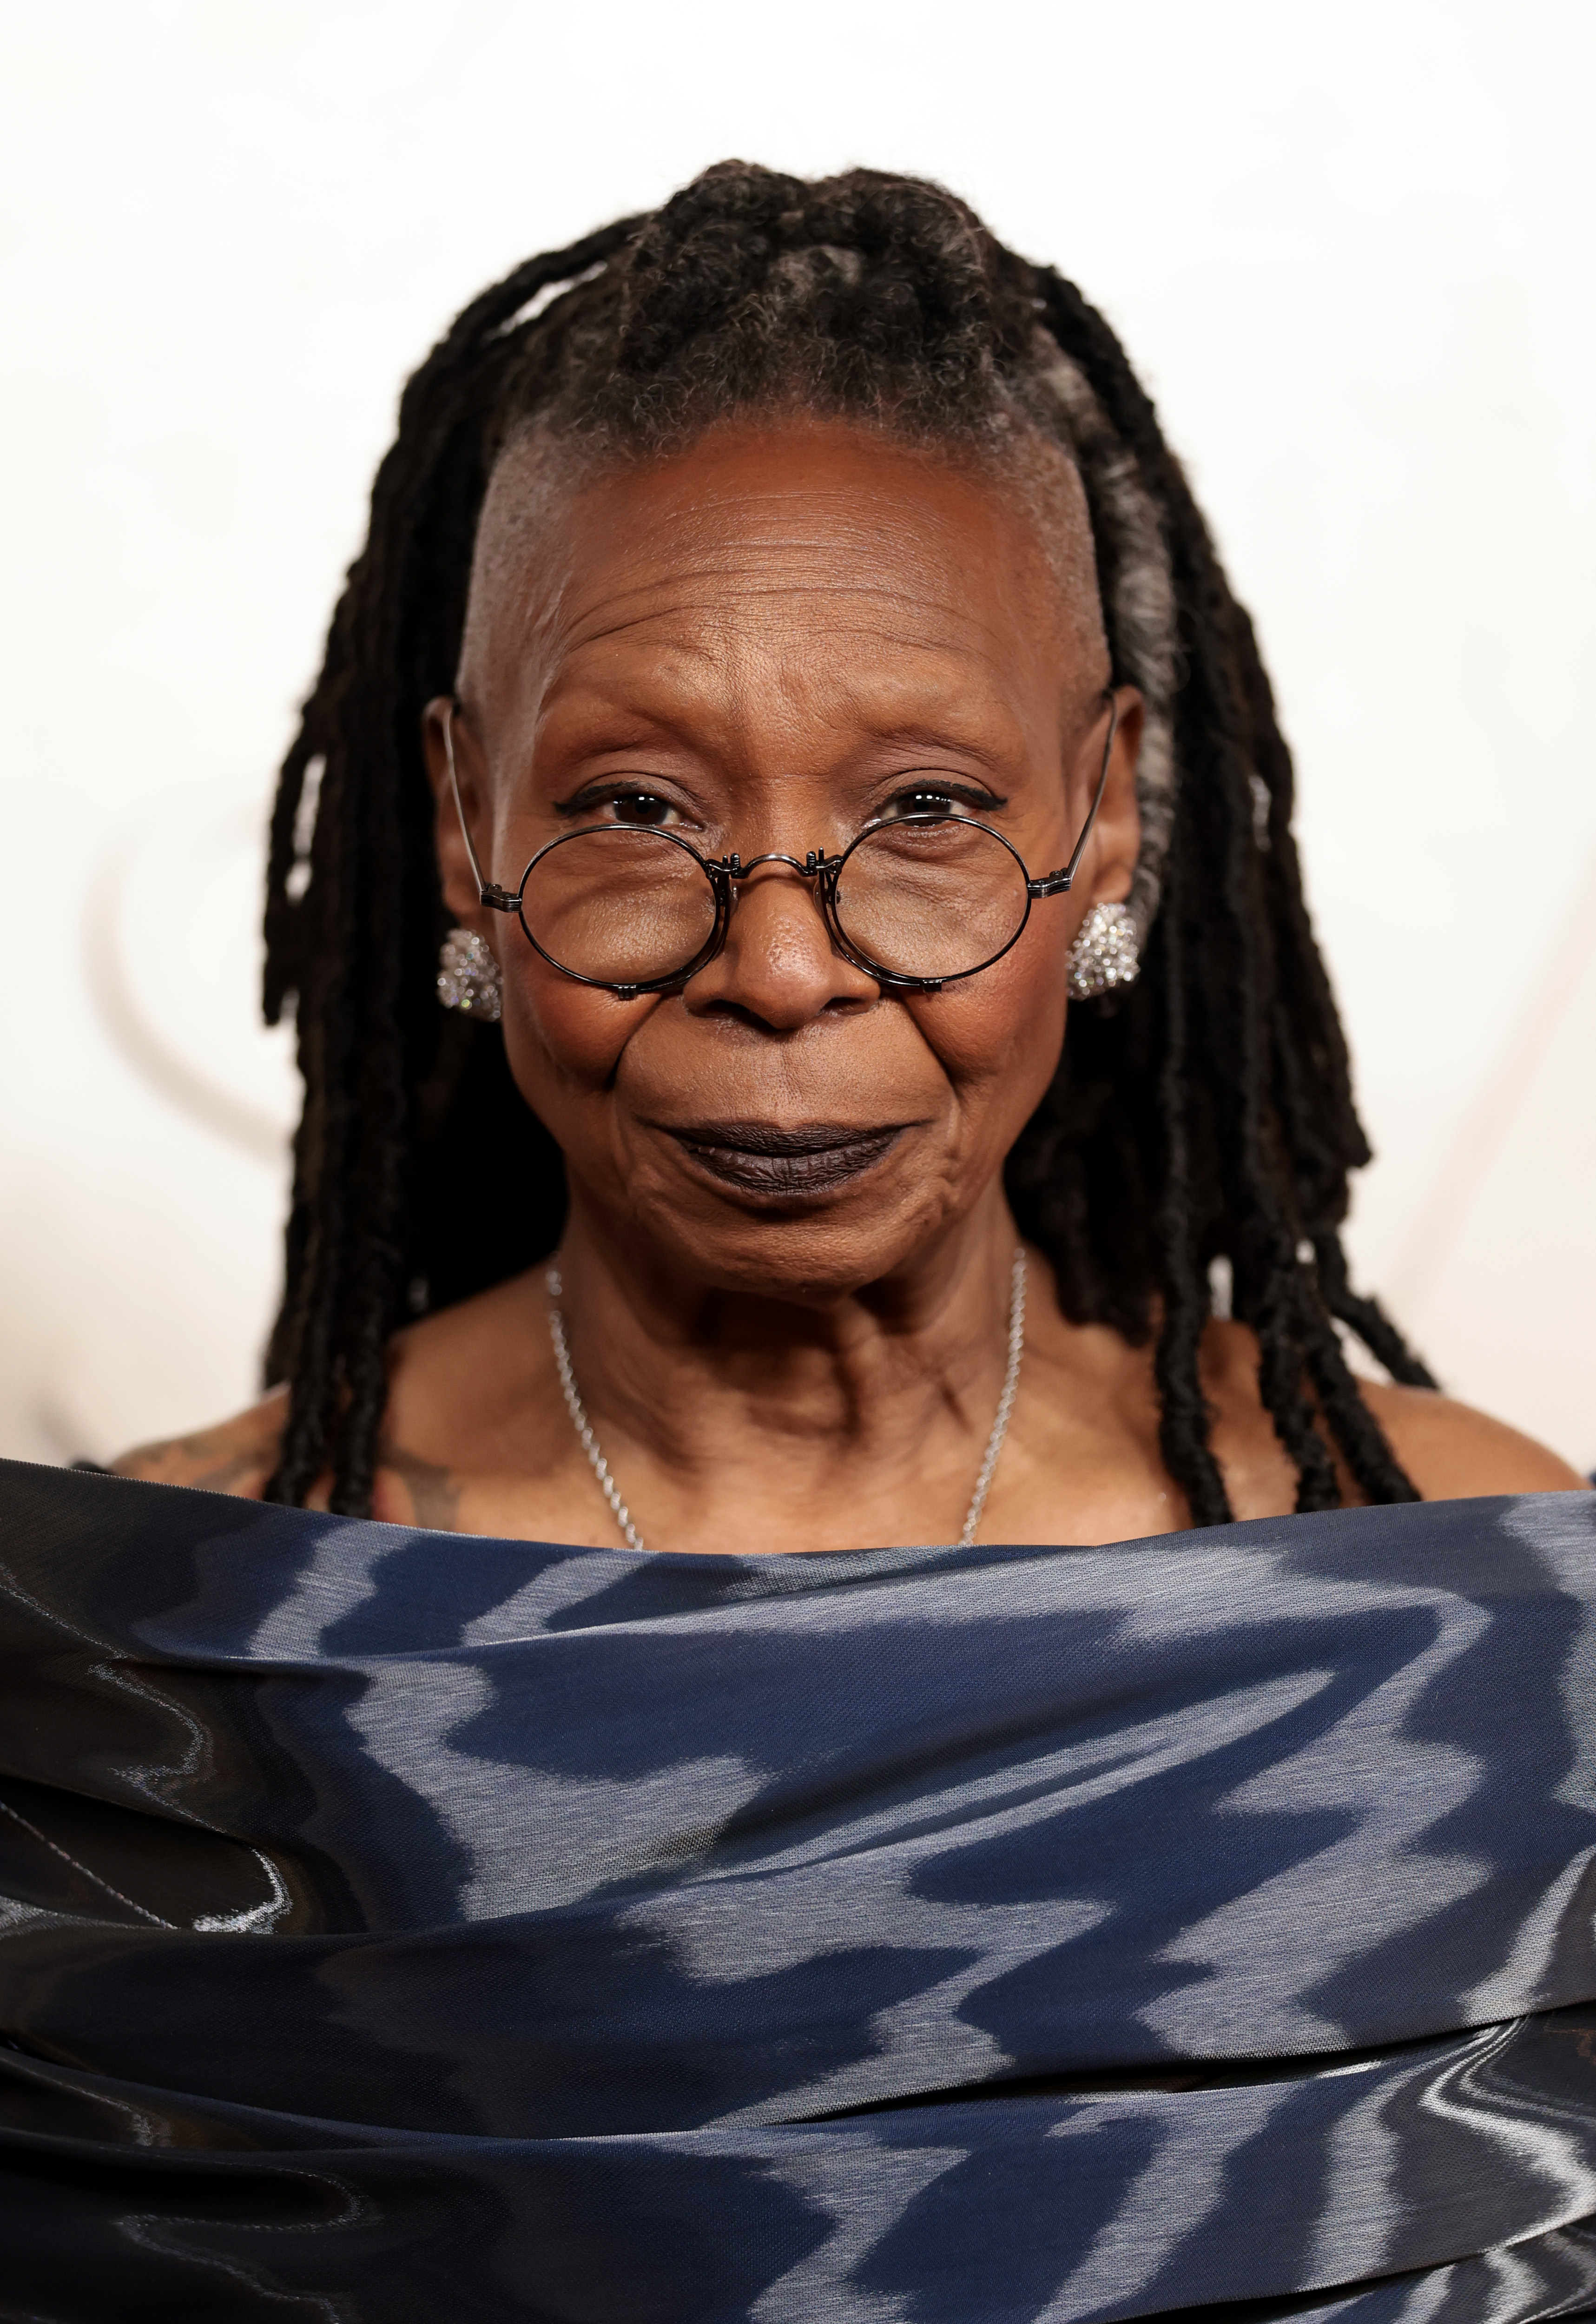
(398, 1925)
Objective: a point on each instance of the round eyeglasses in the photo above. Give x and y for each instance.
(916, 901)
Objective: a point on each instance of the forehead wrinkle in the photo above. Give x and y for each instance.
(853, 524)
(981, 642)
(725, 646)
(922, 588)
(947, 707)
(943, 622)
(539, 563)
(719, 531)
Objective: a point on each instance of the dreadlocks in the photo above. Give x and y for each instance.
(1206, 1114)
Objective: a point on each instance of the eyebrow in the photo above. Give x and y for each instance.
(619, 727)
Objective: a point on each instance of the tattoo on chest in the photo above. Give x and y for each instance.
(430, 1489)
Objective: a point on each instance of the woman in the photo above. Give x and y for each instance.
(790, 712)
(805, 512)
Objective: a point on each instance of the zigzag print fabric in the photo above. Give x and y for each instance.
(399, 1926)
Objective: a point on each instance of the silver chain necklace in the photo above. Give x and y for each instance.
(611, 1491)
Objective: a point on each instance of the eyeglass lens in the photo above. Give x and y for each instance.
(930, 899)
(925, 900)
(619, 905)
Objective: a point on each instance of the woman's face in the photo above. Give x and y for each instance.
(763, 644)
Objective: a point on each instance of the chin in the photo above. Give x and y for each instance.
(811, 1248)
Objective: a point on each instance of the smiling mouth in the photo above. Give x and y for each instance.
(758, 1159)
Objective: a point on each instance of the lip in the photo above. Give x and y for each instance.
(756, 1157)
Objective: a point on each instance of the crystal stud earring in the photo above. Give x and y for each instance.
(1106, 954)
(468, 976)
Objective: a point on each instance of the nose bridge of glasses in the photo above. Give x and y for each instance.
(813, 874)
(813, 864)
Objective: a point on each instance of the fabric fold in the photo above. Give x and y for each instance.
(404, 1925)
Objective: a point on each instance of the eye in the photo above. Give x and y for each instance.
(643, 810)
(923, 802)
(644, 807)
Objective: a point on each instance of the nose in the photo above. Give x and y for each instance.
(779, 967)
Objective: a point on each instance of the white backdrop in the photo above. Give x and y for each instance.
(1348, 248)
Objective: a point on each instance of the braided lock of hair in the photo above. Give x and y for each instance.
(1208, 1111)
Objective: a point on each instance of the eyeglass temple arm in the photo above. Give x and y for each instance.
(499, 899)
(1058, 883)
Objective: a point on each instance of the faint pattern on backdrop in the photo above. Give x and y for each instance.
(1378, 374)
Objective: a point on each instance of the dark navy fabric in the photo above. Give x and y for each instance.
(401, 1926)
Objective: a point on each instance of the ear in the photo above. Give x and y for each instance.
(460, 893)
(1115, 843)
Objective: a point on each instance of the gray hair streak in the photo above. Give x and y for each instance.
(1139, 596)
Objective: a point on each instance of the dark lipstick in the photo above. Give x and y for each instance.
(759, 1159)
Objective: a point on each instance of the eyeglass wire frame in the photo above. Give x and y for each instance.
(723, 873)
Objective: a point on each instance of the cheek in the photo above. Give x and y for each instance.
(998, 1037)
(996, 1041)
(564, 1040)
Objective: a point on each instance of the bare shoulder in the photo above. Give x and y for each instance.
(460, 1385)
(236, 1456)
(1450, 1452)
(1453, 1453)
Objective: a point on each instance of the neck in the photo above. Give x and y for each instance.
(818, 1420)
